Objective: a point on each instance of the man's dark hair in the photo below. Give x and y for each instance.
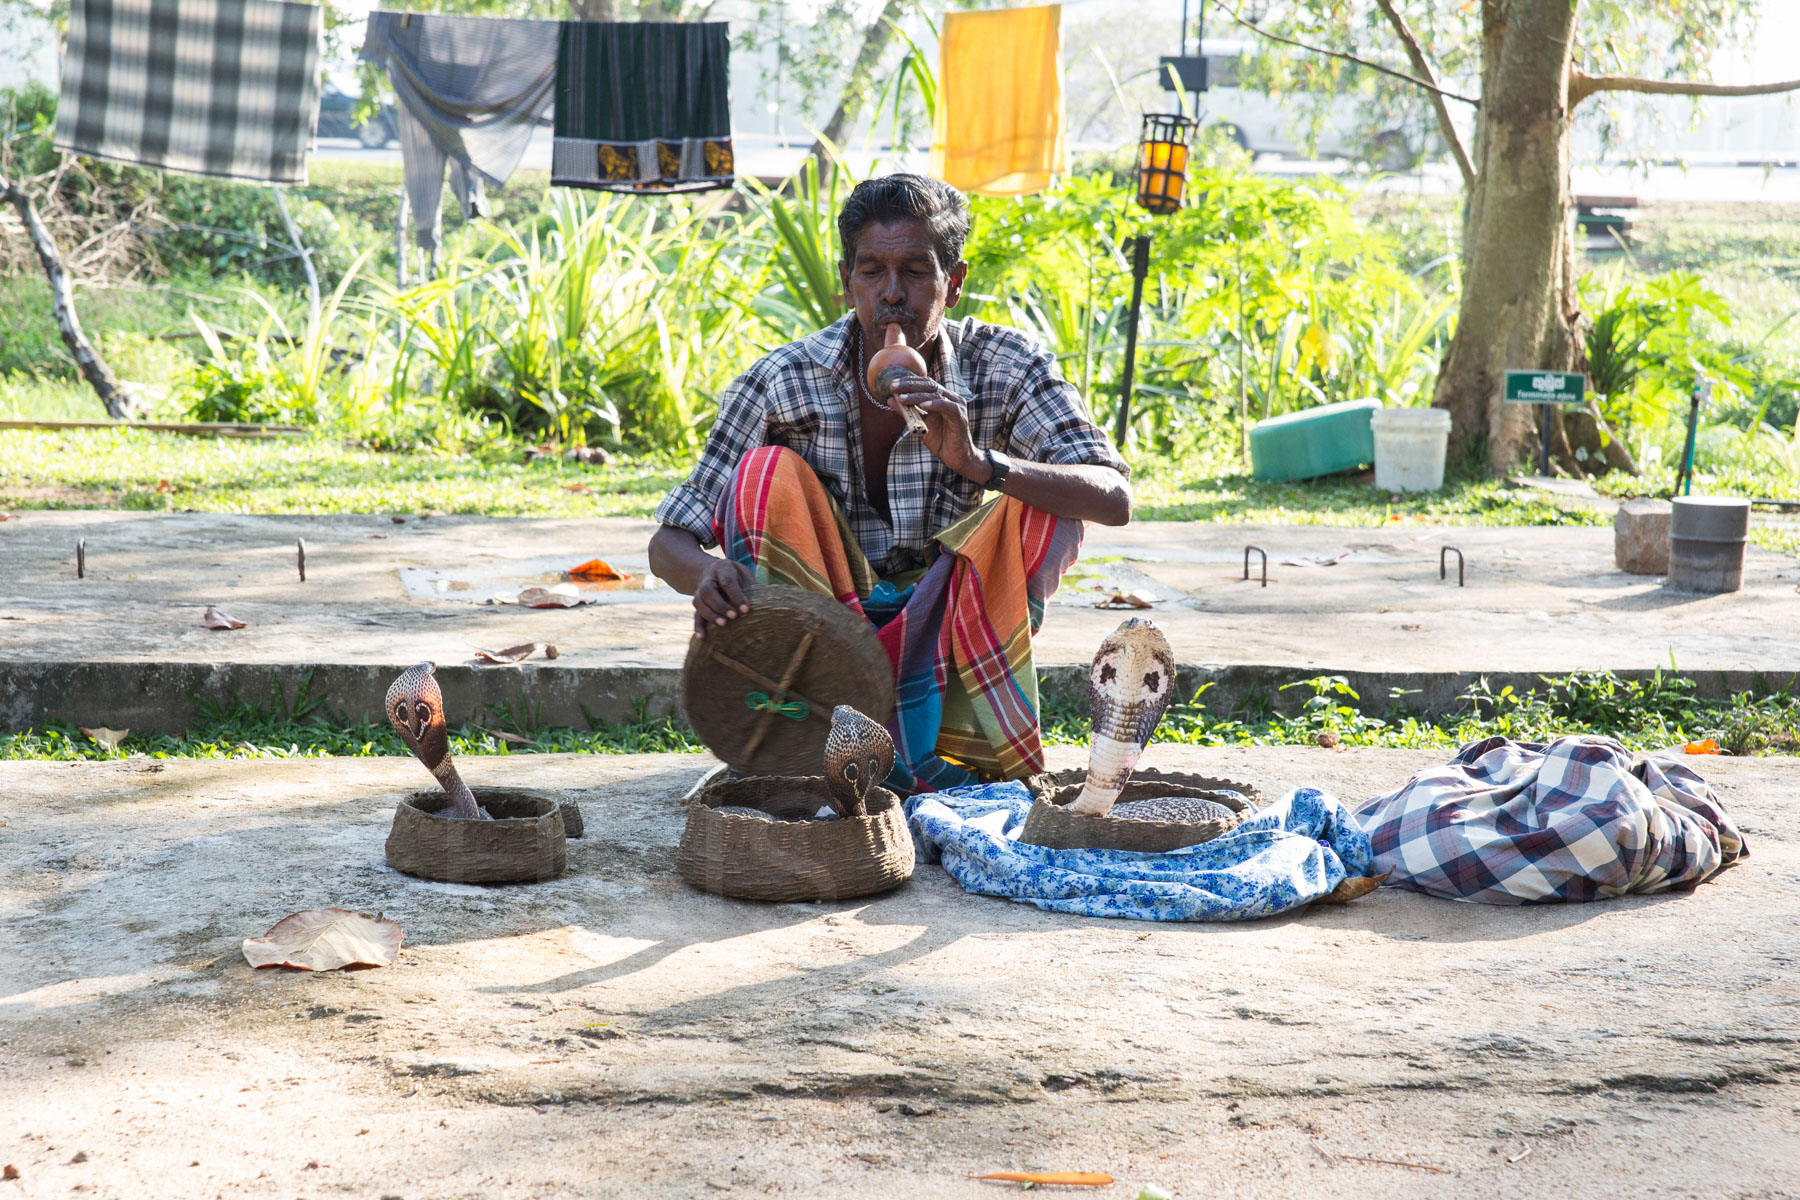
(907, 198)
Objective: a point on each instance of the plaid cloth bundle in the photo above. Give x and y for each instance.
(1512, 823)
(216, 87)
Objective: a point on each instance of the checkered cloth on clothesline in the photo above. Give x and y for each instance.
(1511, 823)
(215, 87)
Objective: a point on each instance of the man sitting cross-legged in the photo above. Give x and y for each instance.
(809, 480)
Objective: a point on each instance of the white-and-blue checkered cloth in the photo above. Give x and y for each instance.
(1581, 818)
(1284, 857)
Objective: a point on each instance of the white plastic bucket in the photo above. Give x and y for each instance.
(1409, 448)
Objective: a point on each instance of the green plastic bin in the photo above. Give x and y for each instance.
(1314, 441)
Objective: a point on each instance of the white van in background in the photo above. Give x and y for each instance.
(1265, 124)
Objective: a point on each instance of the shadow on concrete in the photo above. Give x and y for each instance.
(1400, 915)
(1651, 600)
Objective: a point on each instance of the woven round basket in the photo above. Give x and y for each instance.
(1052, 825)
(759, 690)
(1053, 781)
(522, 844)
(748, 858)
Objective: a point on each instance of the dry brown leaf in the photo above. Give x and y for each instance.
(163, 485)
(212, 618)
(1054, 1178)
(519, 653)
(1328, 740)
(1354, 888)
(1128, 600)
(326, 939)
(580, 489)
(110, 738)
(542, 597)
(9, 1172)
(598, 570)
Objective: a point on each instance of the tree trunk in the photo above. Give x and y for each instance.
(119, 403)
(862, 77)
(1515, 309)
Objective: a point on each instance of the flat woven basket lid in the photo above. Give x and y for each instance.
(759, 690)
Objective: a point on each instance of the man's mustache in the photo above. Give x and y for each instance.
(892, 316)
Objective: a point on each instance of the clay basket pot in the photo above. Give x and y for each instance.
(1050, 824)
(522, 844)
(747, 858)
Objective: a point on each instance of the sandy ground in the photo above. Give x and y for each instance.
(613, 1033)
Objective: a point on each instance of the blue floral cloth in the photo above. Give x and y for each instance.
(1282, 858)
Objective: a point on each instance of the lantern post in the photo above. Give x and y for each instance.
(1161, 183)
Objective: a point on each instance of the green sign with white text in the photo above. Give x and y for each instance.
(1545, 387)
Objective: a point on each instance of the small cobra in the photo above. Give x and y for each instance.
(1129, 685)
(415, 705)
(859, 755)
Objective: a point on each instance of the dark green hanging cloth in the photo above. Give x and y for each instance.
(643, 106)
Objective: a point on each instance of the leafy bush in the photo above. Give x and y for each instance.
(619, 320)
(1238, 323)
(240, 388)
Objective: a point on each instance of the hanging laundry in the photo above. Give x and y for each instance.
(643, 106)
(470, 90)
(215, 87)
(999, 126)
(1578, 819)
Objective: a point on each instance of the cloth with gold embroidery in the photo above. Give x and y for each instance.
(643, 106)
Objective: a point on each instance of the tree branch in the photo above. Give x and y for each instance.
(1582, 85)
(856, 87)
(1361, 62)
(119, 402)
(1415, 54)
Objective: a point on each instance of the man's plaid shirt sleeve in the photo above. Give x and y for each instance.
(737, 430)
(1053, 425)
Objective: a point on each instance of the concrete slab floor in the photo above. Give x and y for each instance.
(613, 1033)
(1537, 599)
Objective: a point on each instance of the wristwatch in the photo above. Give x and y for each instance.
(1001, 466)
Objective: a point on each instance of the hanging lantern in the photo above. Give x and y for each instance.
(1162, 161)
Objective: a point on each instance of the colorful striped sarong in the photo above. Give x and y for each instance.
(959, 635)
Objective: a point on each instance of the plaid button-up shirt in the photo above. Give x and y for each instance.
(804, 396)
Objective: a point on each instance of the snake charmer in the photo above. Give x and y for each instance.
(809, 479)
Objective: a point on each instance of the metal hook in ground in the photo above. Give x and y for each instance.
(1265, 564)
(1443, 565)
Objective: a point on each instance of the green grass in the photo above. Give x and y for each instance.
(124, 468)
(127, 469)
(1171, 490)
(1645, 715)
(241, 731)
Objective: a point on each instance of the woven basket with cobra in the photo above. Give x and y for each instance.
(748, 858)
(759, 690)
(1052, 825)
(522, 844)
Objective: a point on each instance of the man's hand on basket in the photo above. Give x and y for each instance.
(720, 595)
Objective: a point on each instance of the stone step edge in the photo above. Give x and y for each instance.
(165, 697)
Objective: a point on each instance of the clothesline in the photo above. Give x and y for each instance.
(232, 90)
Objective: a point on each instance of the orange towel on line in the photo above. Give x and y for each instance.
(999, 126)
